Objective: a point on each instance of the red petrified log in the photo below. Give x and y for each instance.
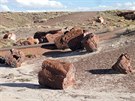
(90, 42)
(71, 39)
(74, 38)
(123, 64)
(15, 59)
(51, 37)
(56, 74)
(60, 43)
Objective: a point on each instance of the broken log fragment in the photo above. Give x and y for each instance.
(90, 42)
(56, 74)
(123, 64)
(71, 39)
(15, 58)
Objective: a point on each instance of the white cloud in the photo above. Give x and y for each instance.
(3, 1)
(4, 8)
(128, 5)
(40, 4)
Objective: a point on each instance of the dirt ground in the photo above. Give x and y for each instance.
(95, 80)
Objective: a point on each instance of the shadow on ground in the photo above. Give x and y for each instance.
(4, 65)
(26, 85)
(102, 71)
(60, 53)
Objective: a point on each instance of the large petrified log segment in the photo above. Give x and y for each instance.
(90, 42)
(51, 37)
(41, 36)
(60, 43)
(15, 59)
(74, 38)
(123, 64)
(56, 74)
(71, 39)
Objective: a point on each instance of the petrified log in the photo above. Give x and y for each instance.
(15, 58)
(123, 64)
(41, 35)
(74, 38)
(60, 43)
(90, 42)
(56, 74)
(51, 37)
(71, 39)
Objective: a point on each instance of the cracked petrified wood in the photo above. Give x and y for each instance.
(74, 38)
(15, 58)
(71, 39)
(51, 37)
(123, 64)
(56, 74)
(60, 43)
(90, 42)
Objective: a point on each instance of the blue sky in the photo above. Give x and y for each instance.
(65, 5)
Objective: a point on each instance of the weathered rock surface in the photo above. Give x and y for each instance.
(60, 43)
(51, 37)
(56, 74)
(71, 39)
(90, 42)
(123, 64)
(15, 58)
(41, 36)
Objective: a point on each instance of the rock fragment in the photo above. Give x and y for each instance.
(56, 74)
(123, 64)
(90, 42)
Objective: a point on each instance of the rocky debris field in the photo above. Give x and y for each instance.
(102, 71)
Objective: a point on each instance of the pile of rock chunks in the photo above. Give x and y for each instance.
(74, 38)
(14, 59)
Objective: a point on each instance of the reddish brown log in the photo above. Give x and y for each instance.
(51, 37)
(71, 39)
(123, 64)
(15, 59)
(56, 74)
(60, 43)
(90, 42)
